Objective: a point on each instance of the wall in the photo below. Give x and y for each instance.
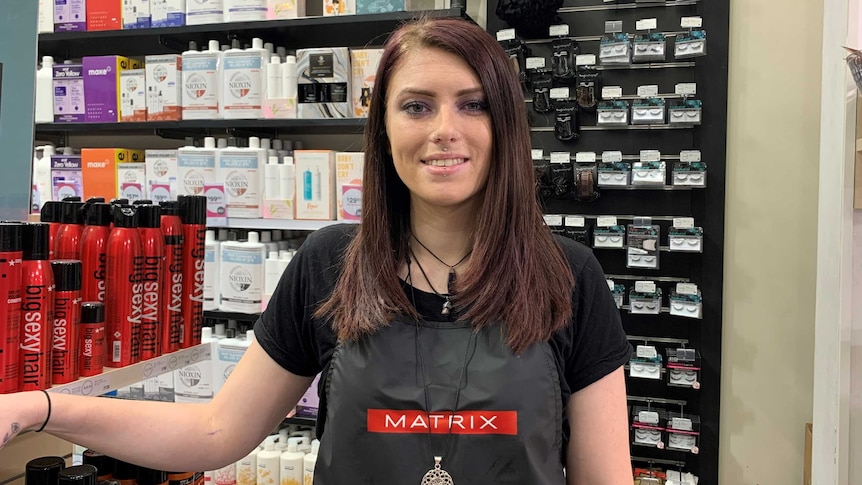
(770, 247)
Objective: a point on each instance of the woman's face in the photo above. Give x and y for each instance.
(439, 128)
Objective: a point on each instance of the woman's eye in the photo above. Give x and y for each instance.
(476, 105)
(414, 108)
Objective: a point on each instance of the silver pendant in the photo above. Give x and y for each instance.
(447, 307)
(437, 475)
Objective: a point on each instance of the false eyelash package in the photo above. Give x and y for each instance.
(618, 291)
(612, 112)
(649, 173)
(642, 249)
(614, 174)
(683, 368)
(690, 44)
(612, 237)
(685, 239)
(685, 305)
(648, 427)
(683, 432)
(649, 47)
(615, 49)
(648, 111)
(686, 112)
(645, 303)
(689, 174)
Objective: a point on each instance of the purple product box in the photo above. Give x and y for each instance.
(100, 89)
(70, 15)
(310, 403)
(69, 102)
(66, 177)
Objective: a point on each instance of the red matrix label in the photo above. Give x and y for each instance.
(463, 422)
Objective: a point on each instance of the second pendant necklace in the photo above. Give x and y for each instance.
(447, 305)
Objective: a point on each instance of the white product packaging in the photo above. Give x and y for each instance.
(244, 10)
(281, 99)
(272, 274)
(211, 272)
(348, 184)
(242, 170)
(273, 78)
(290, 463)
(133, 95)
(164, 87)
(201, 82)
(279, 198)
(268, 463)
(45, 90)
(323, 83)
(339, 7)
(196, 167)
(363, 65)
(246, 469)
(168, 13)
(68, 86)
(204, 12)
(136, 14)
(161, 171)
(309, 462)
(46, 16)
(315, 184)
(42, 176)
(242, 275)
(131, 180)
(285, 9)
(271, 187)
(244, 82)
(194, 383)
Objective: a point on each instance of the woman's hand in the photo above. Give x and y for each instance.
(19, 412)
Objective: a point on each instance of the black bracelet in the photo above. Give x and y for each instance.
(48, 397)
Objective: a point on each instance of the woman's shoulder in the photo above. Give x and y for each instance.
(329, 242)
(578, 255)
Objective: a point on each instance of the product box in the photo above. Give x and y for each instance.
(99, 170)
(204, 12)
(137, 156)
(70, 15)
(323, 83)
(194, 169)
(164, 87)
(363, 65)
(133, 98)
(131, 179)
(339, 7)
(136, 14)
(66, 177)
(69, 101)
(168, 13)
(348, 184)
(315, 184)
(161, 174)
(242, 174)
(285, 9)
(308, 405)
(102, 87)
(104, 15)
(381, 6)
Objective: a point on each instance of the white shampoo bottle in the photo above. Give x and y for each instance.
(246, 468)
(201, 82)
(271, 186)
(211, 272)
(291, 464)
(242, 275)
(268, 466)
(309, 462)
(45, 91)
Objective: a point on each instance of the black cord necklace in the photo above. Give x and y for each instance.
(447, 305)
(451, 267)
(437, 475)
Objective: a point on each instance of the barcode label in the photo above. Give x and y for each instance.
(115, 357)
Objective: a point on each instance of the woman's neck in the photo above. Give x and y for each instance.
(445, 232)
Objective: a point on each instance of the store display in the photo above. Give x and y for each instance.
(241, 171)
(168, 13)
(196, 166)
(243, 85)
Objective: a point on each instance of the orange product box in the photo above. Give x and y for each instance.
(104, 15)
(99, 170)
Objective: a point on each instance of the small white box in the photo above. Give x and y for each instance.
(339, 7)
(136, 14)
(348, 171)
(285, 9)
(161, 168)
(133, 95)
(363, 65)
(168, 13)
(131, 180)
(164, 87)
(315, 184)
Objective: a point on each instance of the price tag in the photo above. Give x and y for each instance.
(553, 220)
(611, 284)
(650, 155)
(648, 91)
(646, 24)
(535, 62)
(646, 352)
(559, 93)
(575, 221)
(612, 157)
(612, 92)
(561, 157)
(559, 30)
(691, 22)
(585, 60)
(648, 417)
(686, 89)
(505, 34)
(606, 221)
(585, 157)
(682, 424)
(613, 26)
(686, 288)
(683, 222)
(689, 156)
(537, 154)
(645, 286)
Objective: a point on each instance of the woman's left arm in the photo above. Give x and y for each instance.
(598, 452)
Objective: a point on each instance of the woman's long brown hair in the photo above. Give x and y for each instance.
(518, 275)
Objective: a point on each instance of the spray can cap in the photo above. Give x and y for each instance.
(148, 476)
(170, 207)
(35, 241)
(67, 274)
(44, 471)
(10, 236)
(149, 216)
(99, 214)
(78, 475)
(50, 211)
(103, 463)
(125, 471)
(213, 46)
(142, 202)
(94, 312)
(193, 209)
(125, 216)
(71, 212)
(119, 201)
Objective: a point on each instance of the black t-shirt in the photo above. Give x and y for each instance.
(590, 348)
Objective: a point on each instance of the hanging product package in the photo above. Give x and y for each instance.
(649, 47)
(589, 85)
(542, 82)
(563, 59)
(567, 123)
(690, 44)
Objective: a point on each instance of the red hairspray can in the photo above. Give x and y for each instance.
(67, 318)
(172, 288)
(123, 296)
(92, 341)
(94, 243)
(50, 214)
(67, 241)
(37, 310)
(153, 247)
(193, 211)
(10, 304)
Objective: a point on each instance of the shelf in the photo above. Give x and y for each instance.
(301, 421)
(546, 129)
(626, 6)
(113, 378)
(337, 31)
(220, 315)
(181, 129)
(276, 224)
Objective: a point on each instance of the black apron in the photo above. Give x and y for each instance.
(508, 424)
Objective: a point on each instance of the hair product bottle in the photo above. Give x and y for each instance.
(50, 214)
(92, 343)
(309, 463)
(10, 304)
(153, 248)
(242, 275)
(291, 463)
(194, 383)
(268, 463)
(44, 471)
(78, 475)
(123, 299)
(67, 241)
(37, 310)
(103, 463)
(211, 260)
(67, 318)
(148, 476)
(172, 289)
(194, 216)
(94, 242)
